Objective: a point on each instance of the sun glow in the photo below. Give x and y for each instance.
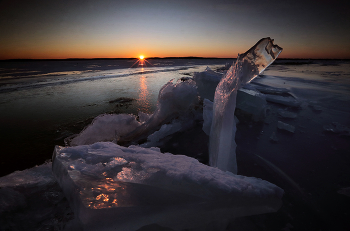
(141, 62)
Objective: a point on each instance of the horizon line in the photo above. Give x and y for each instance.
(170, 57)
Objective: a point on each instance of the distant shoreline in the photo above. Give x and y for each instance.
(188, 57)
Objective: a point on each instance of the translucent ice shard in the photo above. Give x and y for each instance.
(222, 148)
(111, 187)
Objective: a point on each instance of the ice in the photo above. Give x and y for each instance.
(206, 82)
(143, 117)
(207, 115)
(270, 90)
(154, 140)
(106, 127)
(344, 191)
(111, 187)
(173, 101)
(286, 127)
(287, 101)
(336, 127)
(287, 114)
(274, 137)
(252, 103)
(32, 200)
(222, 146)
(314, 106)
(37, 176)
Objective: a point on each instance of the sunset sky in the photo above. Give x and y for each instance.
(209, 28)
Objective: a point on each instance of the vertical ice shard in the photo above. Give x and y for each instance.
(222, 146)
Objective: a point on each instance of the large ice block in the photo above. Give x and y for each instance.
(222, 146)
(111, 187)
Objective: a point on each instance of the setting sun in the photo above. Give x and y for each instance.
(141, 57)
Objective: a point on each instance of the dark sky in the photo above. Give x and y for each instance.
(209, 28)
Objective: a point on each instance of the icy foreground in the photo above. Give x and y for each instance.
(222, 147)
(111, 187)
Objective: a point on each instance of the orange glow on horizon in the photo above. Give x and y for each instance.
(142, 57)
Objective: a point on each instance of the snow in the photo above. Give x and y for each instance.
(222, 146)
(106, 128)
(113, 187)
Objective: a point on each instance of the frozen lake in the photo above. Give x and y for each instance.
(42, 103)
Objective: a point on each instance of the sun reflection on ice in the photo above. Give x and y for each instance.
(143, 100)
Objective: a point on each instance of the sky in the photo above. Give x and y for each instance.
(59, 29)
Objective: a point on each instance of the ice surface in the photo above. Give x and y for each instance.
(154, 140)
(252, 103)
(206, 82)
(111, 187)
(274, 137)
(37, 176)
(286, 127)
(287, 114)
(143, 117)
(337, 128)
(207, 115)
(344, 191)
(173, 100)
(270, 90)
(32, 200)
(287, 101)
(106, 128)
(222, 148)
